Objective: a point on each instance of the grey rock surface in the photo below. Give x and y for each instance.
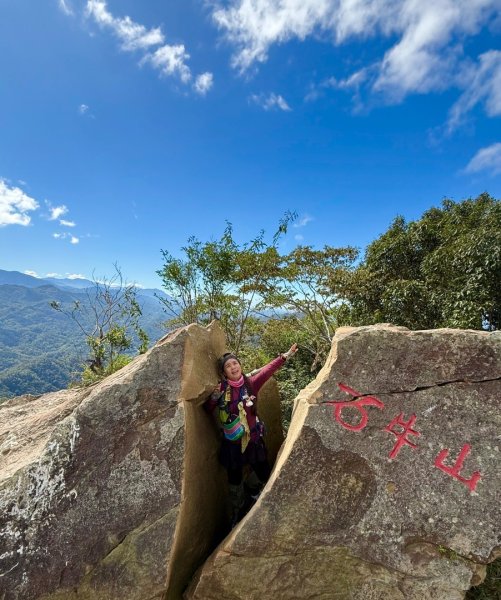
(114, 491)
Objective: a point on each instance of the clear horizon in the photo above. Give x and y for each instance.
(128, 127)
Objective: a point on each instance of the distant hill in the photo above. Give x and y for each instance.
(16, 278)
(40, 349)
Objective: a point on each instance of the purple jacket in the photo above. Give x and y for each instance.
(257, 381)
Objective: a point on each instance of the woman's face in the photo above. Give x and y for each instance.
(232, 369)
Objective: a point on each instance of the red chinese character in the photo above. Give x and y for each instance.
(401, 436)
(357, 404)
(456, 469)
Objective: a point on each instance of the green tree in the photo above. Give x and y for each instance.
(109, 320)
(442, 270)
(220, 279)
(306, 287)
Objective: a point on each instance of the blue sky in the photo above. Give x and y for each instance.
(126, 126)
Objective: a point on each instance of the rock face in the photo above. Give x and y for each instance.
(387, 487)
(115, 492)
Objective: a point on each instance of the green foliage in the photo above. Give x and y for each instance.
(241, 284)
(306, 285)
(144, 341)
(279, 335)
(220, 279)
(89, 376)
(197, 285)
(36, 375)
(440, 271)
(448, 553)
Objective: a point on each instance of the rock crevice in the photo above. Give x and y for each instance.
(416, 389)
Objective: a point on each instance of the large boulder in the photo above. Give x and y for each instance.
(115, 491)
(387, 487)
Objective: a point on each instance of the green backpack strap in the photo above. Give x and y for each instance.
(223, 405)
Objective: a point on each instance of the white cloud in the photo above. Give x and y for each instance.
(482, 83)
(84, 111)
(270, 101)
(486, 159)
(66, 236)
(254, 26)
(354, 81)
(66, 276)
(427, 39)
(133, 36)
(15, 205)
(65, 7)
(169, 59)
(32, 274)
(298, 237)
(203, 83)
(57, 211)
(422, 58)
(303, 221)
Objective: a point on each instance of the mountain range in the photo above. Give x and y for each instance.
(42, 350)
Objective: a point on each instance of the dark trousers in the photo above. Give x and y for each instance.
(261, 468)
(234, 460)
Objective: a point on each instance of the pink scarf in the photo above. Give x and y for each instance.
(238, 383)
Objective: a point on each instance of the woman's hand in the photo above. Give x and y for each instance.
(290, 352)
(216, 392)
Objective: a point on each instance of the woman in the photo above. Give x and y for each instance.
(234, 402)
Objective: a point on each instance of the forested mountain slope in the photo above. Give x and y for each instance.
(40, 348)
